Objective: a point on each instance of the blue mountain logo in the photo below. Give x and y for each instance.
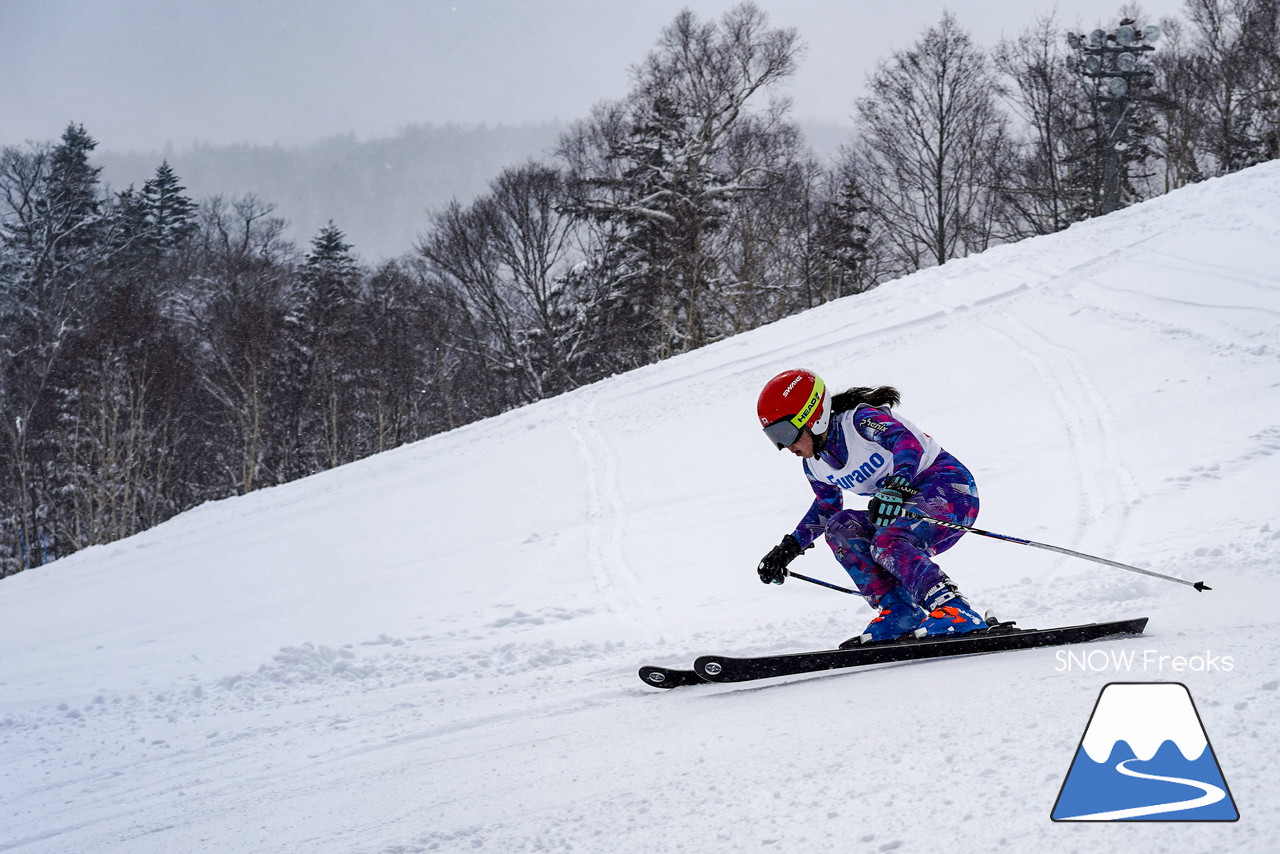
(1145, 756)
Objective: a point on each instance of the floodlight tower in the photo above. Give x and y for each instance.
(1115, 67)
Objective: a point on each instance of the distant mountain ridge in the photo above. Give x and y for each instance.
(380, 192)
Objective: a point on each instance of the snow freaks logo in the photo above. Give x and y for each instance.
(1145, 756)
(1096, 660)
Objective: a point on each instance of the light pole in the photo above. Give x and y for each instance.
(1114, 67)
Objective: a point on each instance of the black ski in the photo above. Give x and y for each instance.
(667, 677)
(719, 668)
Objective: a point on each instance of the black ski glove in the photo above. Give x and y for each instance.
(886, 504)
(773, 567)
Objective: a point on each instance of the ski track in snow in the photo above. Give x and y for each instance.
(1083, 414)
(607, 518)
(1117, 483)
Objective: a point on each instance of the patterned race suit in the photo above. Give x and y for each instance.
(864, 447)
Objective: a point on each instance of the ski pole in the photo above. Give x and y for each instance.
(1198, 585)
(791, 574)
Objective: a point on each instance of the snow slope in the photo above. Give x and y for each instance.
(435, 649)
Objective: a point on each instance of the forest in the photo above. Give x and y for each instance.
(161, 351)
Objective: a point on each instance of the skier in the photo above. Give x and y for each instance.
(853, 441)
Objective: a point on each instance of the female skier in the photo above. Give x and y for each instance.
(853, 441)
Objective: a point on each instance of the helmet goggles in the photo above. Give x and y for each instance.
(783, 433)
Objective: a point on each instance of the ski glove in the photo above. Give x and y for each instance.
(886, 504)
(773, 567)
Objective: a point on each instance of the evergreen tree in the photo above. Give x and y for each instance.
(329, 283)
(323, 327)
(845, 239)
(127, 240)
(69, 211)
(170, 214)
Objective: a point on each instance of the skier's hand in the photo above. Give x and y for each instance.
(886, 504)
(773, 567)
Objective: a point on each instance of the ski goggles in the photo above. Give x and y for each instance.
(783, 432)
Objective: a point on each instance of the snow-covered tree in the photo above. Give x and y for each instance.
(51, 219)
(655, 167)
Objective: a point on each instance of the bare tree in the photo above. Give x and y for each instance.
(772, 240)
(1180, 123)
(507, 253)
(395, 322)
(931, 134)
(531, 235)
(1237, 78)
(1041, 92)
(237, 304)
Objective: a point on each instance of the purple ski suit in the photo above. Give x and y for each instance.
(864, 447)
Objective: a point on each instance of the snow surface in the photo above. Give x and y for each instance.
(436, 649)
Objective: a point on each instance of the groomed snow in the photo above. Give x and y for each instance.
(436, 649)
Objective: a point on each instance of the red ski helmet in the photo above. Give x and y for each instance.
(791, 402)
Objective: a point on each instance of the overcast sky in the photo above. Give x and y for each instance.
(140, 74)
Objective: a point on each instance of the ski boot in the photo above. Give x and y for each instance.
(898, 617)
(948, 613)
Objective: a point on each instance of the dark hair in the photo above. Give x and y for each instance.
(885, 395)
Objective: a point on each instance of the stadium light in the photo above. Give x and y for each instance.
(1114, 70)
